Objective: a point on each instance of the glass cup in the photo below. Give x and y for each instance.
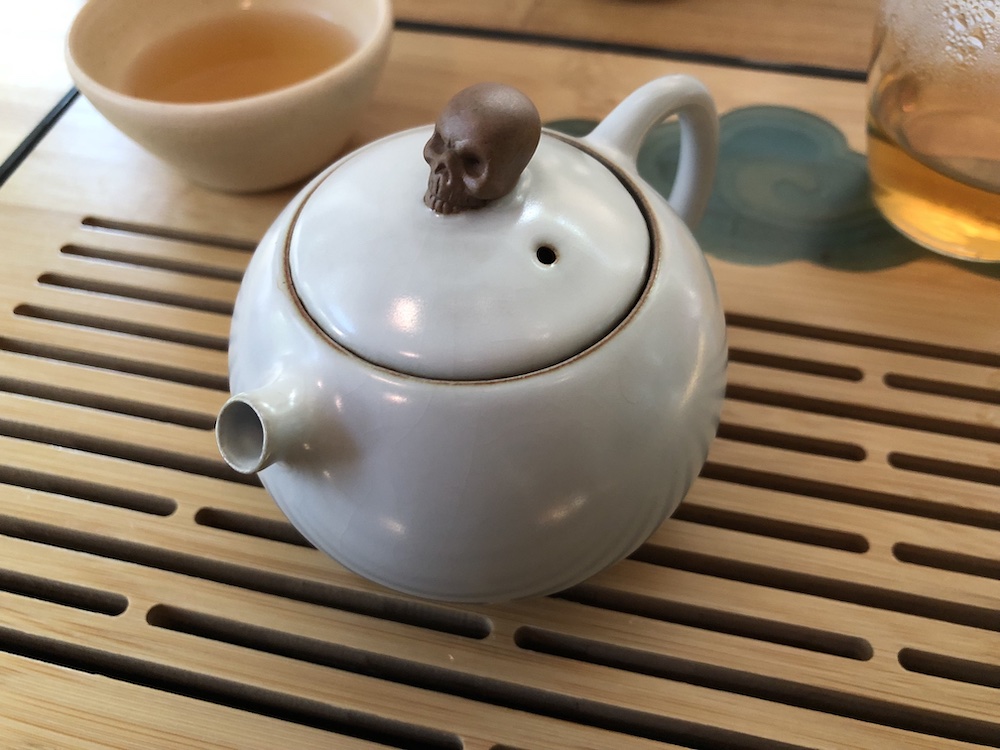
(934, 123)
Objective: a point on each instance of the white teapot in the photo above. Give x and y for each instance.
(495, 381)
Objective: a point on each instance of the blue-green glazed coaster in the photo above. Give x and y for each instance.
(788, 187)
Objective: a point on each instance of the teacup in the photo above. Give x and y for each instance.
(260, 130)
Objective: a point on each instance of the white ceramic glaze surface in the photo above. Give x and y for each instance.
(249, 144)
(465, 296)
(486, 490)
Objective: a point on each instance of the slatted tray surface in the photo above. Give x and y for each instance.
(831, 581)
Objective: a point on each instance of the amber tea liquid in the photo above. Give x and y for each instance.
(241, 54)
(934, 125)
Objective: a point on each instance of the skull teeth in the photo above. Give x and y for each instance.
(444, 196)
(440, 195)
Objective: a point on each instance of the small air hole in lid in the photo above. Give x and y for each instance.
(546, 255)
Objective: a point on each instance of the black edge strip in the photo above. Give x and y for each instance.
(26, 146)
(636, 50)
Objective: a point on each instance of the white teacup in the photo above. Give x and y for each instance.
(249, 143)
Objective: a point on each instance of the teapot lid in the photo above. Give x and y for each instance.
(512, 285)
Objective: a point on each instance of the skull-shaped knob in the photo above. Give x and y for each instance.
(482, 141)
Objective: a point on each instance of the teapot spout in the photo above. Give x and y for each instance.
(256, 428)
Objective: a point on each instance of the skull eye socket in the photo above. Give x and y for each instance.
(473, 165)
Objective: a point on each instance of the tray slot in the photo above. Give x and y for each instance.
(103, 402)
(792, 441)
(875, 597)
(102, 494)
(127, 291)
(155, 262)
(787, 692)
(795, 364)
(152, 456)
(719, 621)
(950, 668)
(225, 692)
(166, 233)
(862, 412)
(867, 340)
(942, 468)
(159, 371)
(772, 528)
(396, 609)
(249, 525)
(851, 495)
(121, 325)
(956, 562)
(469, 686)
(941, 388)
(59, 592)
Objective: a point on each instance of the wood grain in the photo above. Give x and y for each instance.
(832, 34)
(116, 179)
(815, 589)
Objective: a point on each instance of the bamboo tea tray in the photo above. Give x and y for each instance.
(832, 581)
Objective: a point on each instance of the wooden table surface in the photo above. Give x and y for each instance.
(830, 35)
(33, 77)
(832, 580)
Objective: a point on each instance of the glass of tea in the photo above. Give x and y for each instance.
(934, 124)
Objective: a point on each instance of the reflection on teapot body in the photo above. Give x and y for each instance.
(493, 403)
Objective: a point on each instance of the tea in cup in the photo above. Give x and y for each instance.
(237, 96)
(933, 124)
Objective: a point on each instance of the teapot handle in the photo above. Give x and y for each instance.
(622, 132)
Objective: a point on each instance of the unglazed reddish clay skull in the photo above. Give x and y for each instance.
(482, 141)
